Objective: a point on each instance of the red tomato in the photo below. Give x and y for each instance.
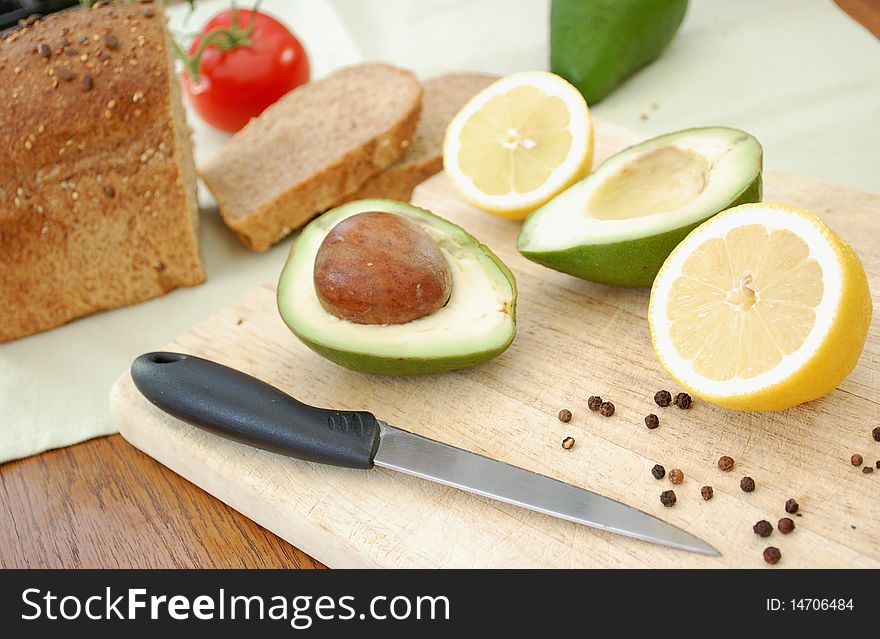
(237, 84)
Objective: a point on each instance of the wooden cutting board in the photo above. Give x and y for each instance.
(575, 339)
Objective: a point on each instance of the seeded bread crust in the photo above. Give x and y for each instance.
(319, 143)
(97, 184)
(443, 97)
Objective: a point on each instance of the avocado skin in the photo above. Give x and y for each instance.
(633, 263)
(589, 50)
(401, 367)
(405, 366)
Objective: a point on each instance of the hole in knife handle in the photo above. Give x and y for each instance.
(165, 358)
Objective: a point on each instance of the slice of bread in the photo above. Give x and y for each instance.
(97, 183)
(312, 148)
(443, 97)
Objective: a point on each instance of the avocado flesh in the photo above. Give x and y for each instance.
(477, 323)
(618, 225)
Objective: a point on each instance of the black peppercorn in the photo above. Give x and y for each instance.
(662, 398)
(772, 555)
(876, 434)
(747, 484)
(676, 476)
(594, 403)
(763, 528)
(658, 471)
(44, 50)
(791, 506)
(111, 42)
(726, 463)
(652, 421)
(785, 525)
(565, 415)
(667, 498)
(109, 191)
(878, 463)
(856, 460)
(868, 470)
(707, 493)
(606, 409)
(567, 443)
(683, 401)
(87, 83)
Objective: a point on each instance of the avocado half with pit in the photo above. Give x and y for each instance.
(477, 323)
(618, 225)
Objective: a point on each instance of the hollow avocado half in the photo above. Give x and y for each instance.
(618, 225)
(477, 324)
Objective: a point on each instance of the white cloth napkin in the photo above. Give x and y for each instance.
(799, 74)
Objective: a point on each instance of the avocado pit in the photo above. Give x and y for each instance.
(380, 268)
(476, 324)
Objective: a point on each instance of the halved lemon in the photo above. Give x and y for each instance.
(519, 142)
(762, 307)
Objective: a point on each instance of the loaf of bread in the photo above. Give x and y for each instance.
(97, 183)
(312, 148)
(442, 98)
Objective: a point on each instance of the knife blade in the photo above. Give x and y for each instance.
(237, 406)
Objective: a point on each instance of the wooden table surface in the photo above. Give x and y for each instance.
(103, 503)
(865, 11)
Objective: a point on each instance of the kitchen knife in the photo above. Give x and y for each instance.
(237, 406)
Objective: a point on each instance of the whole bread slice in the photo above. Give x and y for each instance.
(443, 97)
(97, 182)
(310, 149)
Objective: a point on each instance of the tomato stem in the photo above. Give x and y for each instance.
(225, 38)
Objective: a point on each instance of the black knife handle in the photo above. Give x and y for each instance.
(229, 403)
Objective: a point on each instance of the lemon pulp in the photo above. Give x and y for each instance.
(743, 302)
(762, 307)
(518, 143)
(515, 141)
